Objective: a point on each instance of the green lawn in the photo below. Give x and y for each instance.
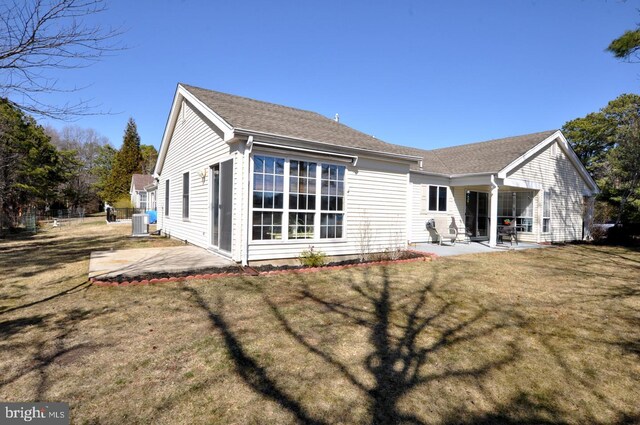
(547, 336)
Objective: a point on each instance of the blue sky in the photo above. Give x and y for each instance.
(419, 73)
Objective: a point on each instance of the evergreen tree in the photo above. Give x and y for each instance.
(608, 143)
(31, 168)
(149, 157)
(127, 162)
(102, 170)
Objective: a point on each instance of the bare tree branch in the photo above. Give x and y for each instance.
(38, 36)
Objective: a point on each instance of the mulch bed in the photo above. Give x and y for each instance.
(267, 269)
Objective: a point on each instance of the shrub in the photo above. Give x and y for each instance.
(311, 258)
(123, 202)
(598, 233)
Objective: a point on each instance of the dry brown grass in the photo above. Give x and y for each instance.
(541, 336)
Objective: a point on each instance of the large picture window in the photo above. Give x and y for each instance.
(311, 203)
(437, 198)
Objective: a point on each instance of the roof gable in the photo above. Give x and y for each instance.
(482, 157)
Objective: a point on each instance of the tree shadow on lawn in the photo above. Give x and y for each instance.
(34, 257)
(422, 356)
(51, 346)
(415, 336)
(73, 289)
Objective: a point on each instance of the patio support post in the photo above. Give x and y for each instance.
(493, 213)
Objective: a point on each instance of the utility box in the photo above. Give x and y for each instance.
(140, 224)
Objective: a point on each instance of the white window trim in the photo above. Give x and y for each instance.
(146, 200)
(543, 216)
(186, 218)
(167, 198)
(316, 240)
(446, 199)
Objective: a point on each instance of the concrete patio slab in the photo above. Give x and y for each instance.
(446, 250)
(141, 261)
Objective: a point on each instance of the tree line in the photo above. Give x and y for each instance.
(608, 144)
(43, 168)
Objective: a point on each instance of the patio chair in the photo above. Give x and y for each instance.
(440, 229)
(464, 236)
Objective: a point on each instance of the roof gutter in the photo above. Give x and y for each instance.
(353, 159)
(408, 158)
(451, 176)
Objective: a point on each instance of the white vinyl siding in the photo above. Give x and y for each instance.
(193, 148)
(557, 175)
(420, 213)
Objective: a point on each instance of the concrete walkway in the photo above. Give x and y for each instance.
(137, 262)
(446, 249)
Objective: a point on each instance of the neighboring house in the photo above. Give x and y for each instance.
(258, 181)
(138, 191)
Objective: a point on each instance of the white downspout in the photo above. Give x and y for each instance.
(247, 151)
(493, 214)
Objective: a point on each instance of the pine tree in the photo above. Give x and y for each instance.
(127, 162)
(31, 168)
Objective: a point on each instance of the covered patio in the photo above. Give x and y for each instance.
(492, 209)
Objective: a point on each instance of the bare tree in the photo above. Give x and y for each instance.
(365, 235)
(38, 37)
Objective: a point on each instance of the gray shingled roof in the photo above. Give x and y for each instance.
(141, 180)
(484, 157)
(263, 117)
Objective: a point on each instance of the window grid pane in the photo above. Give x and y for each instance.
(331, 225)
(268, 182)
(332, 199)
(267, 225)
(332, 188)
(433, 198)
(442, 199)
(505, 204)
(301, 225)
(302, 185)
(524, 210)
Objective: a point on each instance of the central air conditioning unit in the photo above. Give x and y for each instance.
(140, 223)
